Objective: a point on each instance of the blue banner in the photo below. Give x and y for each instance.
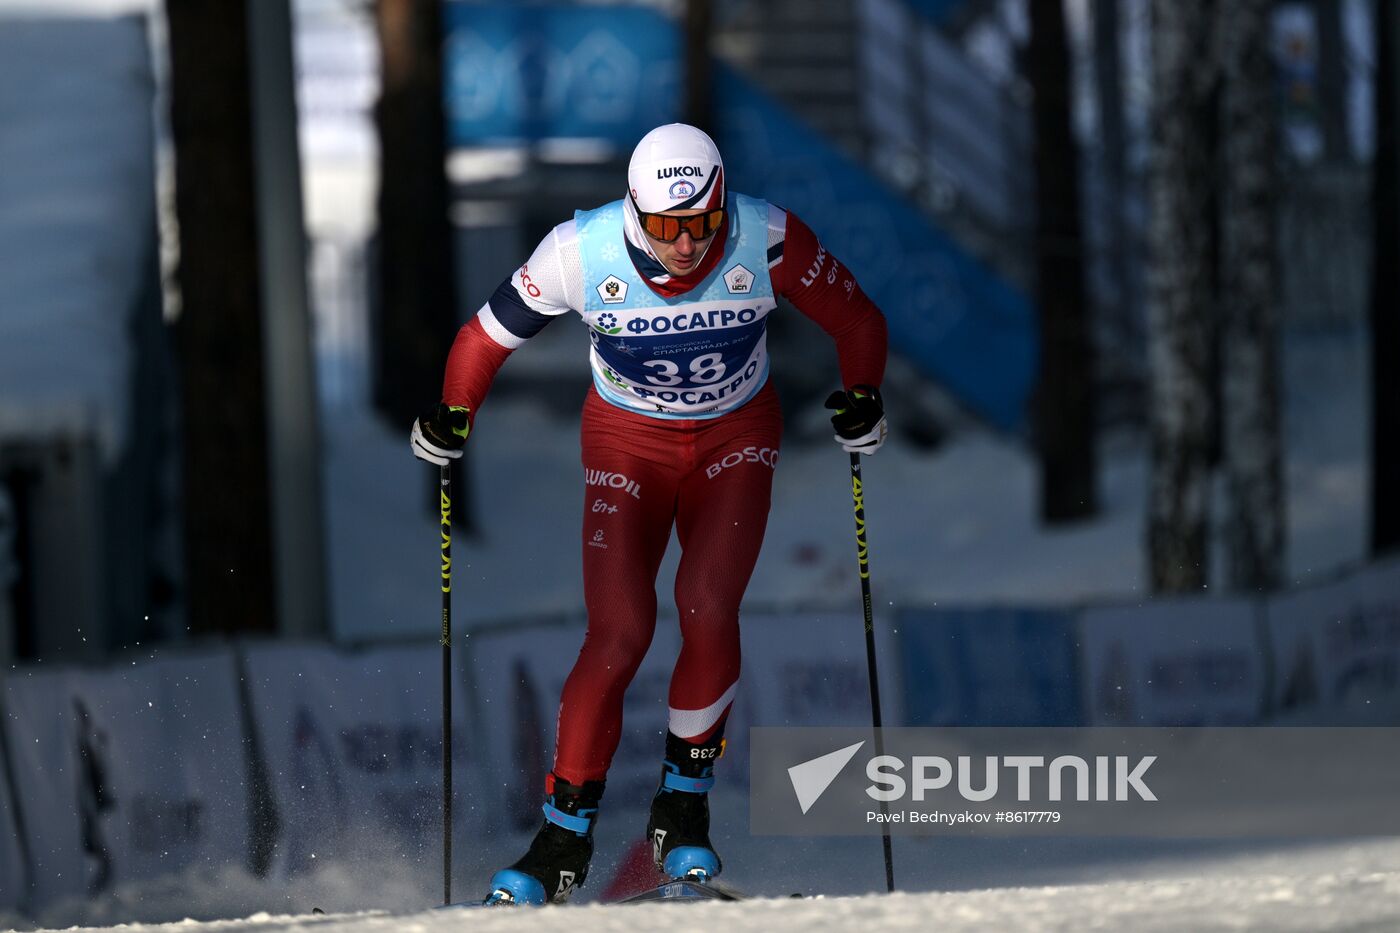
(948, 312)
(518, 72)
(989, 667)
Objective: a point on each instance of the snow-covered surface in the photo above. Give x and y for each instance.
(1333, 887)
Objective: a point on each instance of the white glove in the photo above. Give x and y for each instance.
(859, 420)
(438, 436)
(867, 443)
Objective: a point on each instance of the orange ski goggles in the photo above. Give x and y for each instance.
(667, 227)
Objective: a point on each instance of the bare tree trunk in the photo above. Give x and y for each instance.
(699, 66)
(1180, 293)
(227, 523)
(1332, 79)
(1113, 137)
(1250, 301)
(1064, 402)
(1385, 288)
(417, 307)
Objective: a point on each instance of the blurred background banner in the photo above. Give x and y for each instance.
(124, 774)
(950, 314)
(44, 739)
(526, 72)
(350, 745)
(1174, 662)
(807, 667)
(12, 861)
(192, 808)
(988, 667)
(1337, 647)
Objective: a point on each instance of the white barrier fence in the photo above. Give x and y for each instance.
(128, 773)
(352, 747)
(152, 768)
(13, 875)
(1193, 662)
(1337, 647)
(44, 747)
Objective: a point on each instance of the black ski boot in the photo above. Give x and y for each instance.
(679, 828)
(557, 862)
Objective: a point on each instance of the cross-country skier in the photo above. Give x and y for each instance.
(675, 282)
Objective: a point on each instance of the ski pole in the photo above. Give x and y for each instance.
(445, 482)
(863, 556)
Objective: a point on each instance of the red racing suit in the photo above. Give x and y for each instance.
(710, 477)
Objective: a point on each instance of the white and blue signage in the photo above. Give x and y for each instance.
(989, 667)
(949, 313)
(518, 72)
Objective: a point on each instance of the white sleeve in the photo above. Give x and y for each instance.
(548, 285)
(777, 233)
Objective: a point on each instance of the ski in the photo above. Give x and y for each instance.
(465, 905)
(684, 889)
(677, 889)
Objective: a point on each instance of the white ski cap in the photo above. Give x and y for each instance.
(676, 167)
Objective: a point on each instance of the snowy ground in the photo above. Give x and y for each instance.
(945, 883)
(1336, 887)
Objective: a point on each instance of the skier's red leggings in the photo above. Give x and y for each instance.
(712, 478)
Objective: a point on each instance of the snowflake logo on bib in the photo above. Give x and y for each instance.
(609, 252)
